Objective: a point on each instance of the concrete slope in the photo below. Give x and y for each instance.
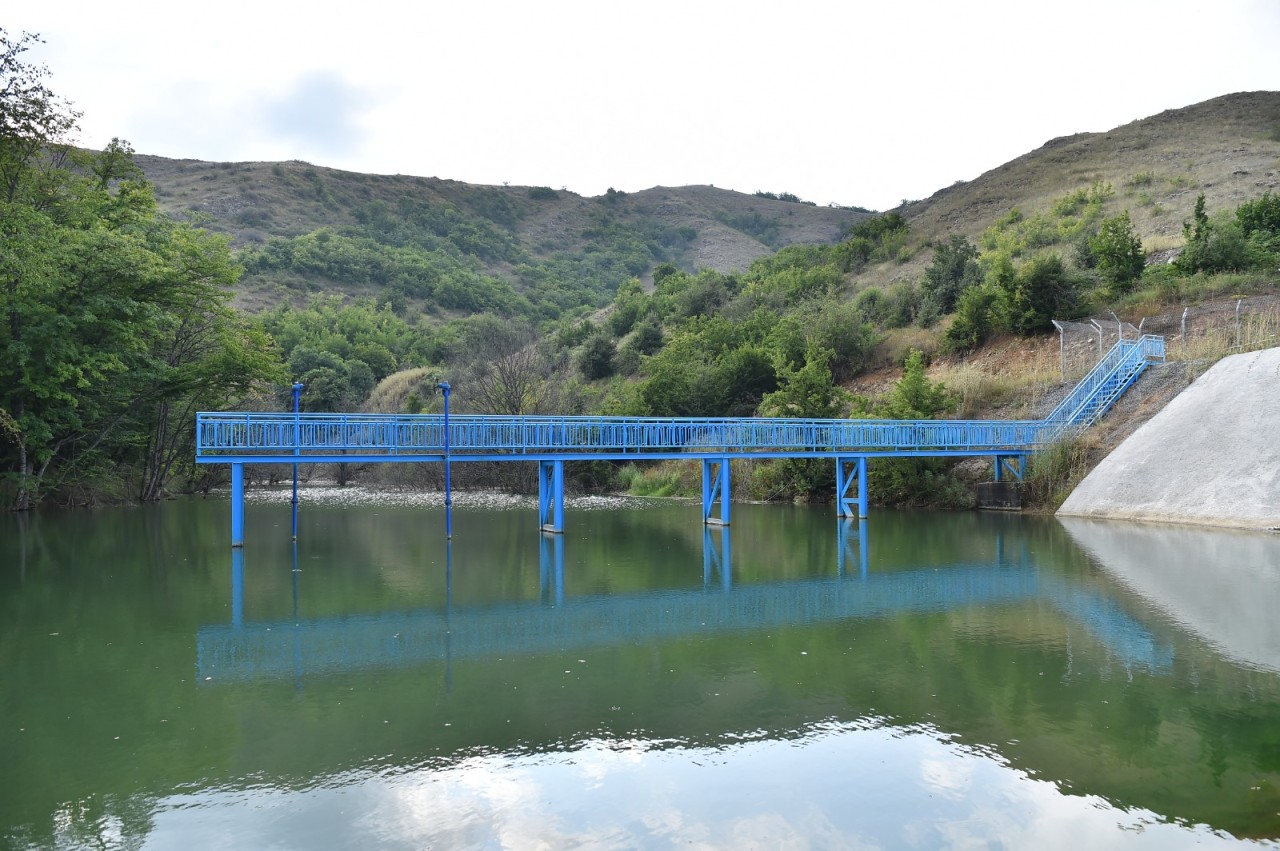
(1211, 457)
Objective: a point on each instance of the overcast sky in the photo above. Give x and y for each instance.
(854, 103)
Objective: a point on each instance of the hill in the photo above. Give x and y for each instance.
(1227, 148)
(513, 233)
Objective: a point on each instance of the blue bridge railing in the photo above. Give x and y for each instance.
(287, 438)
(1112, 375)
(293, 438)
(238, 439)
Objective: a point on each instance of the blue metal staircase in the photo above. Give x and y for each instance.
(1099, 390)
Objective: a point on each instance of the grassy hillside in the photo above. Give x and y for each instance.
(720, 303)
(516, 234)
(1227, 148)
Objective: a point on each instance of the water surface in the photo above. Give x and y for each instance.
(920, 681)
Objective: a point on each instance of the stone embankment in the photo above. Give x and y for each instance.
(1210, 457)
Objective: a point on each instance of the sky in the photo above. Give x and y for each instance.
(849, 103)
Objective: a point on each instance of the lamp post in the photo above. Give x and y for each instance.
(448, 491)
(297, 450)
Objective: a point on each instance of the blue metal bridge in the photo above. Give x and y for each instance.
(238, 439)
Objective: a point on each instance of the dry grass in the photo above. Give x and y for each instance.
(899, 342)
(1015, 383)
(1161, 242)
(1225, 336)
(392, 393)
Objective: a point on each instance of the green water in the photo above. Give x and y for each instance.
(925, 681)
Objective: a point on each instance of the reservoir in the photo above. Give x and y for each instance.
(917, 680)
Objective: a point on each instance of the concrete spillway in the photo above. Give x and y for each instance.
(1211, 457)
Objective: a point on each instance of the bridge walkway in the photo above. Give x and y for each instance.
(240, 438)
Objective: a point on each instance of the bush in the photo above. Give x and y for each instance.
(979, 314)
(954, 269)
(1041, 290)
(596, 359)
(1118, 253)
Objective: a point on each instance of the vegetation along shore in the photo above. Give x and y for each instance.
(136, 290)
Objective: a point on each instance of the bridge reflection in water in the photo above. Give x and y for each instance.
(557, 623)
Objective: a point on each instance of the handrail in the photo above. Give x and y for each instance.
(1124, 355)
(224, 437)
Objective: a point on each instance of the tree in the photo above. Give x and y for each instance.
(34, 122)
(1118, 254)
(1221, 243)
(596, 359)
(115, 317)
(953, 270)
(807, 392)
(908, 481)
(503, 370)
(1039, 292)
(979, 314)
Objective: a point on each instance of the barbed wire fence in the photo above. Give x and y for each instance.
(1193, 332)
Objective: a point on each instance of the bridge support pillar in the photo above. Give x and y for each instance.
(1014, 465)
(715, 488)
(237, 505)
(237, 587)
(851, 473)
(551, 496)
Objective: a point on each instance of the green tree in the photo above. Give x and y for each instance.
(979, 314)
(953, 270)
(595, 361)
(1215, 244)
(115, 319)
(911, 481)
(1040, 291)
(1117, 253)
(807, 392)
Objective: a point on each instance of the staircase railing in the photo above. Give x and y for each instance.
(1110, 377)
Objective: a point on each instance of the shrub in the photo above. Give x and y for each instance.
(1118, 253)
(979, 314)
(954, 269)
(596, 359)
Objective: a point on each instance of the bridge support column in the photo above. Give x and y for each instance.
(551, 496)
(843, 531)
(1014, 465)
(851, 473)
(715, 488)
(237, 505)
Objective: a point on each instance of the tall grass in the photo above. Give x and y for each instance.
(1057, 470)
(978, 389)
(1226, 336)
(667, 478)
